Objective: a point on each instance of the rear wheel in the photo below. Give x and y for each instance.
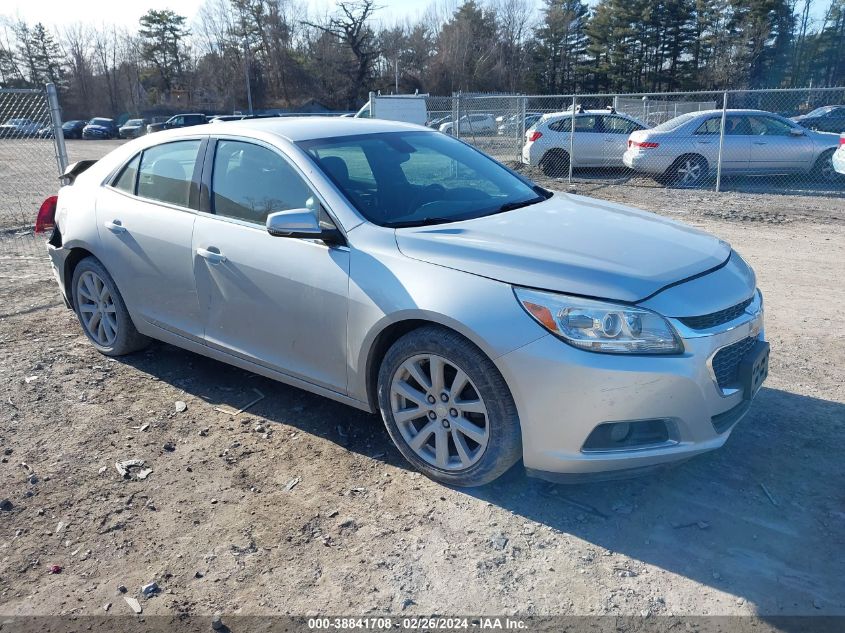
(102, 312)
(448, 409)
(555, 163)
(688, 171)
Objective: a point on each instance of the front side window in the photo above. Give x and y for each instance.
(418, 178)
(249, 182)
(767, 126)
(166, 172)
(618, 125)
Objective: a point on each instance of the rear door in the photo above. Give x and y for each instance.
(588, 146)
(735, 146)
(145, 218)
(775, 149)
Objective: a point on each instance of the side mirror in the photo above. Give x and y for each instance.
(301, 223)
(794, 131)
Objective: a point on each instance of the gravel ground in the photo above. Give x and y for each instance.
(301, 505)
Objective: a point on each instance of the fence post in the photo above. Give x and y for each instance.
(572, 140)
(372, 104)
(457, 126)
(520, 129)
(721, 141)
(56, 120)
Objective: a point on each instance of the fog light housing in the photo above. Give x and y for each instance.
(629, 434)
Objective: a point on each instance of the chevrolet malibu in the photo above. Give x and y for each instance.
(399, 270)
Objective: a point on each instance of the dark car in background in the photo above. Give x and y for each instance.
(829, 118)
(177, 121)
(20, 128)
(133, 128)
(100, 128)
(73, 129)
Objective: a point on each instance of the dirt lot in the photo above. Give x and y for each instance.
(302, 505)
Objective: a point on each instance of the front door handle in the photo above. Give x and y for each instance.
(760, 143)
(115, 226)
(211, 256)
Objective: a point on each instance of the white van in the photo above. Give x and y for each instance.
(406, 108)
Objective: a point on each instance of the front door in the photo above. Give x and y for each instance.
(145, 220)
(775, 149)
(279, 302)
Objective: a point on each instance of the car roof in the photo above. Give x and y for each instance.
(568, 114)
(306, 128)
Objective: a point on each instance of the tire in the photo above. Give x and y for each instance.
(687, 172)
(823, 169)
(479, 446)
(555, 163)
(101, 311)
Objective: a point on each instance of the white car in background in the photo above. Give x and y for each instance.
(838, 158)
(601, 137)
(684, 151)
(471, 124)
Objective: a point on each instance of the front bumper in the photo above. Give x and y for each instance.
(562, 394)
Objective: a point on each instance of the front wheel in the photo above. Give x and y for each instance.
(102, 312)
(823, 169)
(448, 409)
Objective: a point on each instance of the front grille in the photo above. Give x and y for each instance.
(716, 318)
(726, 362)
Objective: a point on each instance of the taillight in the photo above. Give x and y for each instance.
(642, 144)
(842, 140)
(46, 215)
(533, 136)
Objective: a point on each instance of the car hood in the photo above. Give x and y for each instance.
(571, 244)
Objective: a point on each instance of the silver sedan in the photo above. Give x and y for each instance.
(399, 270)
(684, 151)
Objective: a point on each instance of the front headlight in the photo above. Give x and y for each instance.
(599, 326)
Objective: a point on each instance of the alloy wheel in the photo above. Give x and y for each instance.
(97, 309)
(690, 172)
(439, 412)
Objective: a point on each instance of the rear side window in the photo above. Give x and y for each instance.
(709, 127)
(166, 172)
(126, 180)
(250, 182)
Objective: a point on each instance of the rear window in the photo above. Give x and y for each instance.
(674, 124)
(166, 172)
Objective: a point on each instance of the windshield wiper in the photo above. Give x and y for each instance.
(420, 222)
(510, 206)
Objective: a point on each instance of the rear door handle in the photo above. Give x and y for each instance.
(211, 256)
(115, 226)
(760, 143)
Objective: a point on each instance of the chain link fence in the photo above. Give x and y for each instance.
(31, 157)
(760, 141)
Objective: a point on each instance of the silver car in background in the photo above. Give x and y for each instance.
(601, 137)
(684, 151)
(396, 269)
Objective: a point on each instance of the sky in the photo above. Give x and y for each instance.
(58, 12)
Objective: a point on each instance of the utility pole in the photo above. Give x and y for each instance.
(396, 72)
(246, 75)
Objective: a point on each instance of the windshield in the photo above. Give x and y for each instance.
(821, 111)
(134, 122)
(18, 122)
(104, 122)
(400, 179)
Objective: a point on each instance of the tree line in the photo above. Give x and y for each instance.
(291, 58)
